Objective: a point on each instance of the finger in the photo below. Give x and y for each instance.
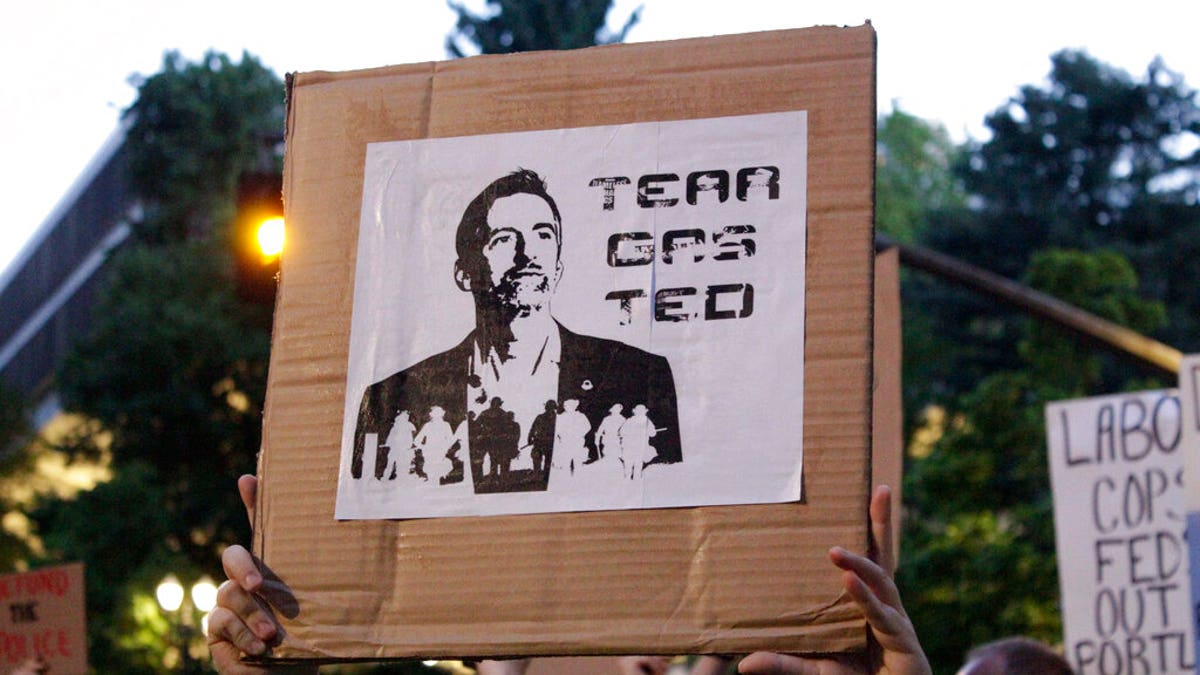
(769, 663)
(885, 620)
(248, 489)
(248, 610)
(228, 661)
(227, 658)
(227, 630)
(881, 527)
(240, 567)
(867, 571)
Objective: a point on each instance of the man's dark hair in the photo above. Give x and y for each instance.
(1023, 655)
(473, 229)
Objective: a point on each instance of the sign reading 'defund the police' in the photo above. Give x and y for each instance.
(42, 621)
(1189, 404)
(1119, 504)
(579, 319)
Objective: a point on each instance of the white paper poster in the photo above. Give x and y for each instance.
(1189, 404)
(1119, 516)
(579, 319)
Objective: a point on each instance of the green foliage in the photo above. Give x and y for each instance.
(119, 532)
(1087, 191)
(193, 131)
(979, 536)
(1103, 283)
(1090, 159)
(916, 188)
(914, 175)
(175, 372)
(16, 464)
(1093, 159)
(530, 25)
(173, 376)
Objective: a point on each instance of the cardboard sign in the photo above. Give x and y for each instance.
(1119, 513)
(595, 352)
(1189, 405)
(43, 616)
(365, 579)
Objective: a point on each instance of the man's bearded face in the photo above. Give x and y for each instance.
(522, 253)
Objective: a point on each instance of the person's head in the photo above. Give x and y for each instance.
(401, 415)
(508, 245)
(570, 404)
(643, 665)
(1015, 656)
(616, 409)
(640, 409)
(437, 412)
(551, 406)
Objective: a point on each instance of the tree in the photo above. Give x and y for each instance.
(914, 175)
(916, 188)
(173, 376)
(531, 25)
(194, 130)
(979, 534)
(1088, 191)
(1091, 160)
(16, 466)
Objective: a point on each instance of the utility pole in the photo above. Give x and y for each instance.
(1144, 350)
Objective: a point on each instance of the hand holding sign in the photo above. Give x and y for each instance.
(869, 583)
(242, 622)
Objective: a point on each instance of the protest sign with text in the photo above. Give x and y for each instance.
(43, 619)
(1117, 475)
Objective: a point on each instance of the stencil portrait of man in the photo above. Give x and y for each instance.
(518, 358)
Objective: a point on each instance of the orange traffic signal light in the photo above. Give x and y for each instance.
(258, 235)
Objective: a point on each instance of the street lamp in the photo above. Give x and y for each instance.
(169, 593)
(172, 599)
(204, 597)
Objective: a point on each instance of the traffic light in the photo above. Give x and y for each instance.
(270, 237)
(258, 235)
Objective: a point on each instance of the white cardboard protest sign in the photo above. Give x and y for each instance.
(1119, 511)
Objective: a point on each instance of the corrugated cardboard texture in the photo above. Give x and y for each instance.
(671, 581)
(887, 424)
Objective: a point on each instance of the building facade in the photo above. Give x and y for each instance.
(48, 291)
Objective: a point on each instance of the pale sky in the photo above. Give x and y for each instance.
(69, 61)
